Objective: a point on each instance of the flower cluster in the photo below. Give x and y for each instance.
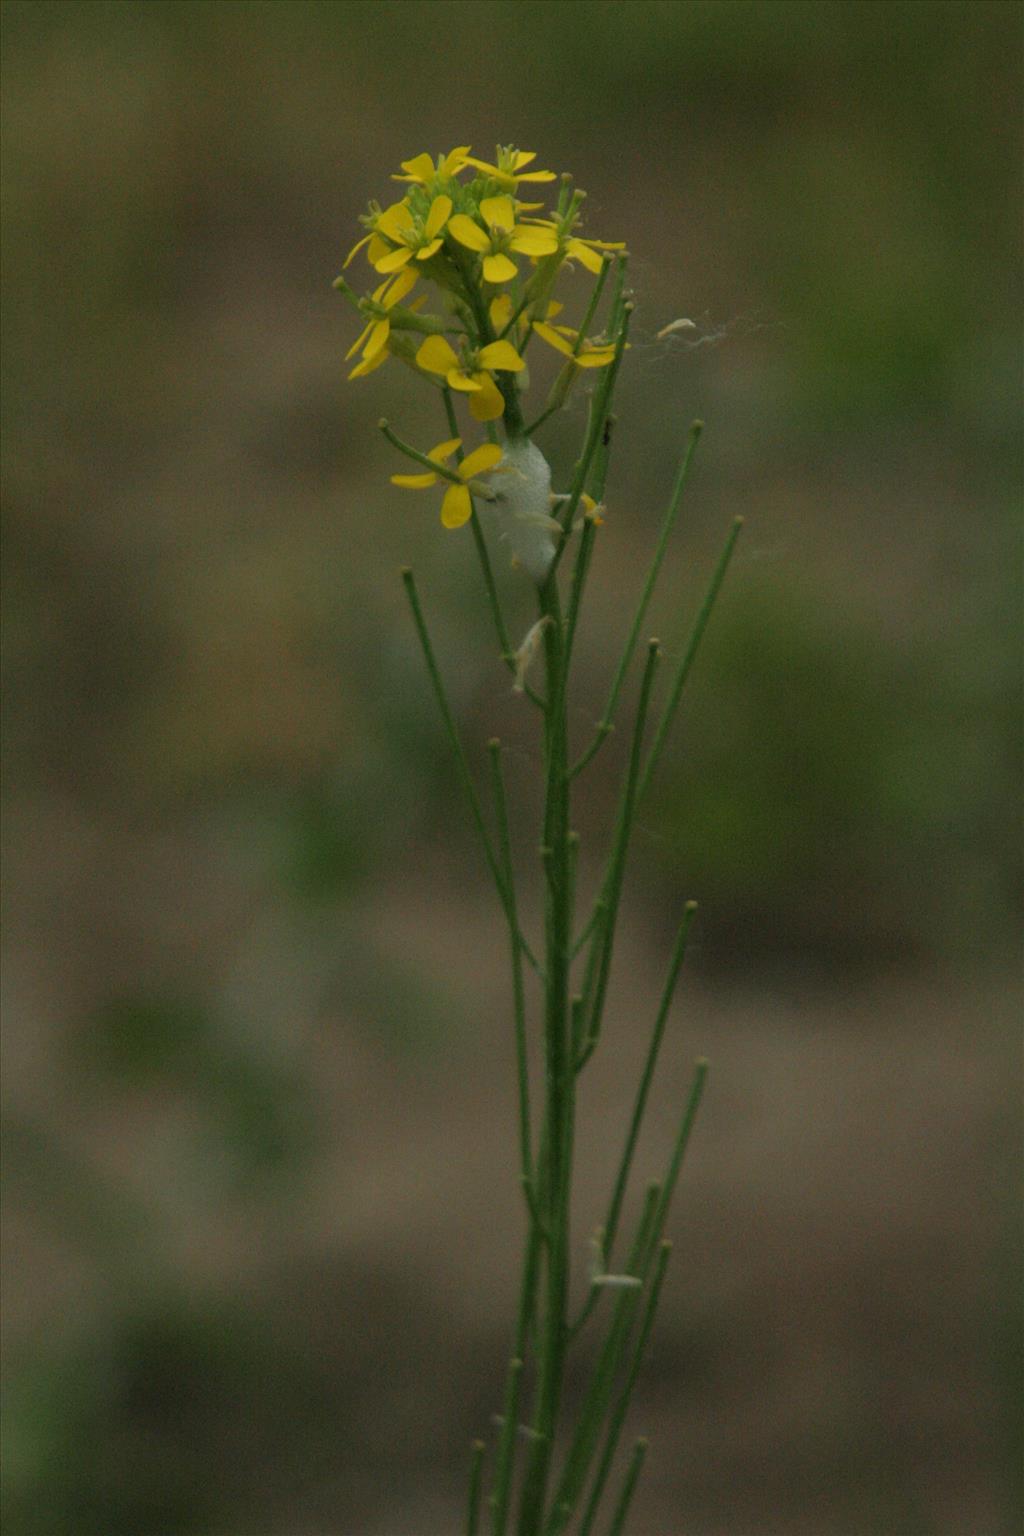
(485, 263)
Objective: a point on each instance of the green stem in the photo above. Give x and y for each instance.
(628, 1488)
(599, 1391)
(599, 409)
(595, 297)
(462, 766)
(518, 996)
(600, 957)
(441, 470)
(559, 1074)
(506, 382)
(665, 1198)
(475, 1485)
(682, 1141)
(506, 1447)
(618, 1413)
(507, 648)
(525, 1324)
(692, 647)
(579, 579)
(606, 722)
(675, 965)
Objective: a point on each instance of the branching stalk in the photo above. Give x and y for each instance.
(518, 995)
(548, 1470)
(689, 655)
(607, 721)
(462, 767)
(618, 1413)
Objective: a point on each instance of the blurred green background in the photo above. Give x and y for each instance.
(261, 1215)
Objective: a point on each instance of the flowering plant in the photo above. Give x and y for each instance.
(483, 266)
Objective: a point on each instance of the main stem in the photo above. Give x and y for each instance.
(555, 1172)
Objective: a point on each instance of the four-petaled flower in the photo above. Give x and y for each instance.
(377, 329)
(411, 236)
(502, 235)
(473, 374)
(421, 168)
(575, 247)
(509, 170)
(457, 506)
(378, 247)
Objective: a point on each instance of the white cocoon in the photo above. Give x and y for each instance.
(520, 513)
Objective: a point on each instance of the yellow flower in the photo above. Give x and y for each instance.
(587, 252)
(473, 375)
(502, 235)
(422, 169)
(575, 247)
(457, 507)
(411, 236)
(584, 353)
(378, 246)
(509, 170)
(378, 328)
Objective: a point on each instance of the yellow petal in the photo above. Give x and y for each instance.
(480, 460)
(456, 508)
(397, 290)
(378, 338)
(357, 247)
(483, 165)
(536, 176)
(503, 355)
(605, 245)
(359, 340)
(499, 212)
(454, 160)
(395, 222)
(553, 309)
(533, 242)
(414, 482)
(437, 218)
(458, 378)
(429, 250)
(550, 335)
(500, 311)
(523, 157)
(378, 248)
(499, 269)
(467, 233)
(596, 359)
(487, 404)
(444, 450)
(436, 355)
(394, 259)
(421, 168)
(584, 255)
(368, 364)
